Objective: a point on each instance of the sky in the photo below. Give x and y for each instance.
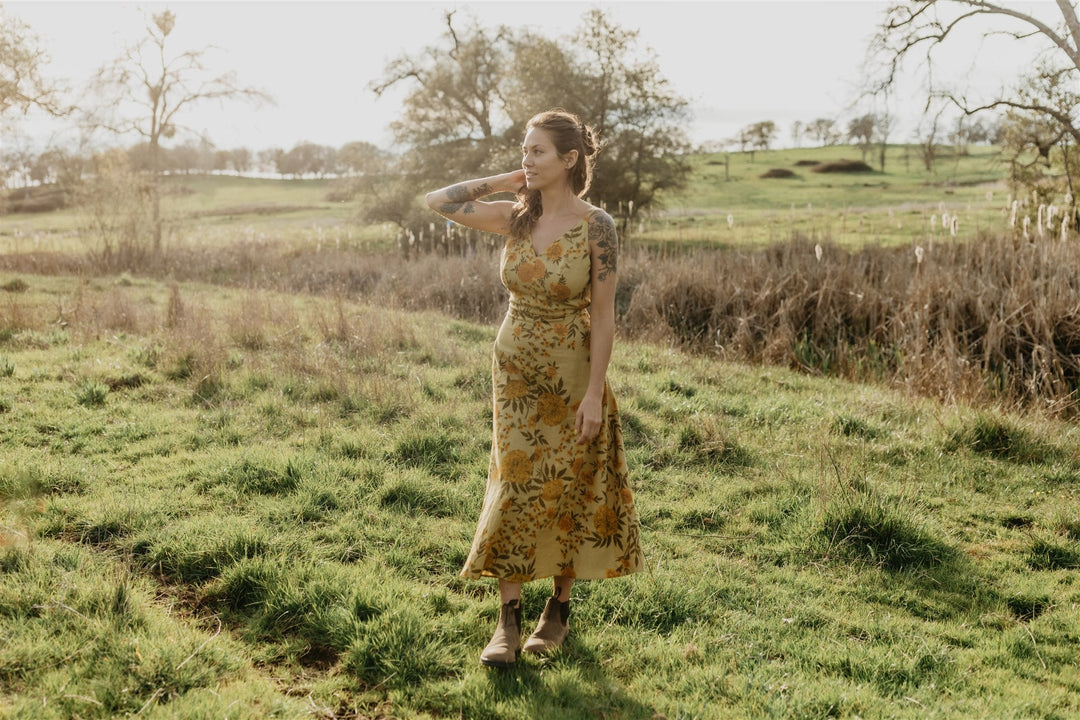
(736, 61)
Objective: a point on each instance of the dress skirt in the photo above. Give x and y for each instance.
(551, 506)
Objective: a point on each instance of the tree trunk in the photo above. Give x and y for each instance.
(155, 193)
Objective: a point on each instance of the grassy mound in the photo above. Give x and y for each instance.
(842, 166)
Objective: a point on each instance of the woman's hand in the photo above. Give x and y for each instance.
(515, 180)
(587, 424)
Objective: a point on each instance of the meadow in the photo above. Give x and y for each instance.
(240, 485)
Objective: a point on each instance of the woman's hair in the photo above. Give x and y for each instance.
(567, 133)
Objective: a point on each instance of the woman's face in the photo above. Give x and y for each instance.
(541, 162)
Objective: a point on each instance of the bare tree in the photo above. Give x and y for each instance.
(797, 130)
(146, 90)
(1048, 89)
(22, 86)
(884, 127)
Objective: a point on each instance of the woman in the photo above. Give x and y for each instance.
(557, 503)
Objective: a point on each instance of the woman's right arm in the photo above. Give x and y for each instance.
(461, 202)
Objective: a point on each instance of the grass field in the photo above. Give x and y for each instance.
(850, 209)
(234, 503)
(217, 500)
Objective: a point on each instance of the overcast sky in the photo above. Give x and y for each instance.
(737, 61)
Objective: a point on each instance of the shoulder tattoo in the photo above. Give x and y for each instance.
(602, 234)
(460, 197)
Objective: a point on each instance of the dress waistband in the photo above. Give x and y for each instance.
(546, 313)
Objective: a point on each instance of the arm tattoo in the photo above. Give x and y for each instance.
(602, 234)
(460, 198)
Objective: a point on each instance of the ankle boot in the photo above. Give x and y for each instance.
(552, 629)
(505, 644)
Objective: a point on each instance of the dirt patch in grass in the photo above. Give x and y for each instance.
(842, 166)
(777, 173)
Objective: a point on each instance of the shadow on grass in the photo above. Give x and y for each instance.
(571, 683)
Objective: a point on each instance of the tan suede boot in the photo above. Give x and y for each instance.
(505, 644)
(552, 629)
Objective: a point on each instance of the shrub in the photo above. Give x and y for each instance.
(870, 527)
(254, 475)
(92, 393)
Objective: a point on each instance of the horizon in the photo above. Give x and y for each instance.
(318, 101)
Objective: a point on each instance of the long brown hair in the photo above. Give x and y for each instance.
(567, 133)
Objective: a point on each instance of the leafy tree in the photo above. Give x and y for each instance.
(823, 130)
(307, 158)
(145, 92)
(758, 136)
(268, 159)
(861, 131)
(359, 158)
(472, 93)
(240, 160)
(1034, 145)
(638, 116)
(455, 108)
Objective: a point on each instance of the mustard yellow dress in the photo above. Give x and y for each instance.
(551, 506)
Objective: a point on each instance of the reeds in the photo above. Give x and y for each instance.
(992, 319)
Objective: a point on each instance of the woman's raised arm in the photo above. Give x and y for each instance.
(461, 202)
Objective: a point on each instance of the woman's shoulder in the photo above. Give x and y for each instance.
(599, 220)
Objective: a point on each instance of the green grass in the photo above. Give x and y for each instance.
(894, 207)
(276, 530)
(216, 210)
(851, 209)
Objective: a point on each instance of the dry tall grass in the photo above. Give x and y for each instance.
(995, 319)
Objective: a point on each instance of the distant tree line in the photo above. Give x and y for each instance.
(66, 168)
(864, 131)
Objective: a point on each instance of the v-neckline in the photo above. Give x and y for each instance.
(558, 238)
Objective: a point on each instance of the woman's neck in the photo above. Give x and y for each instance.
(559, 201)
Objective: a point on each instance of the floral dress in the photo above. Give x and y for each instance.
(551, 506)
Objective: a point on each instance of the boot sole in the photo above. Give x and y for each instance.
(498, 663)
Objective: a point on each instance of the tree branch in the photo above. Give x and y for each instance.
(1060, 116)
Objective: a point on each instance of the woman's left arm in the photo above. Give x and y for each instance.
(604, 251)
